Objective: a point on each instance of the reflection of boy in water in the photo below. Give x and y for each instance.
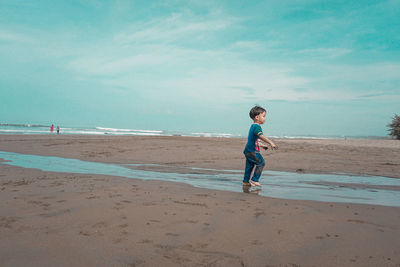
(251, 190)
(254, 160)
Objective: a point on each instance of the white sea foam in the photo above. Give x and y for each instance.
(22, 132)
(127, 130)
(31, 128)
(206, 134)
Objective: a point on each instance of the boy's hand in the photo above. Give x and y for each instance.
(274, 146)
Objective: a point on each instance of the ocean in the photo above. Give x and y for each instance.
(9, 128)
(6, 128)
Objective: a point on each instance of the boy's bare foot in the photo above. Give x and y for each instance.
(255, 184)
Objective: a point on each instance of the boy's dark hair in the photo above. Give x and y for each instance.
(256, 110)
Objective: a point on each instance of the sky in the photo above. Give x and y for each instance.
(318, 67)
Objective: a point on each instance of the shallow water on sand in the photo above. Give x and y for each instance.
(375, 190)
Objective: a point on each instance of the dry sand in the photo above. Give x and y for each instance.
(64, 219)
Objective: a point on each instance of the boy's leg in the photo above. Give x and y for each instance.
(252, 172)
(260, 163)
(248, 169)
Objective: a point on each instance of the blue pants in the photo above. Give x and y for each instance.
(253, 159)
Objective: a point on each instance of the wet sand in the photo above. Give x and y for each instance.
(371, 157)
(64, 219)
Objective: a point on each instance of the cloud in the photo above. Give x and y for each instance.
(172, 29)
(10, 36)
(248, 90)
(251, 45)
(333, 52)
(160, 41)
(373, 95)
(202, 58)
(361, 79)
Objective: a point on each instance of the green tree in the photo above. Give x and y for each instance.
(394, 127)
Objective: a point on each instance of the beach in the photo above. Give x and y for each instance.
(69, 219)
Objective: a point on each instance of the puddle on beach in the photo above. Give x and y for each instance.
(375, 190)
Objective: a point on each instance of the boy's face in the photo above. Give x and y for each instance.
(260, 118)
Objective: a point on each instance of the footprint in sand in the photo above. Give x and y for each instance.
(22, 182)
(93, 197)
(100, 225)
(24, 228)
(48, 197)
(85, 233)
(55, 213)
(46, 205)
(35, 202)
(95, 229)
(145, 241)
(114, 195)
(172, 234)
(120, 239)
(256, 242)
(259, 213)
(149, 204)
(202, 195)
(118, 206)
(55, 184)
(7, 221)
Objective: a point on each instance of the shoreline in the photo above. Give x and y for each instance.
(375, 190)
(358, 157)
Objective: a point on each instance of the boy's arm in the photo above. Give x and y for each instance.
(262, 145)
(266, 140)
(265, 147)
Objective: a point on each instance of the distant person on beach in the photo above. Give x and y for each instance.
(58, 129)
(254, 161)
(51, 128)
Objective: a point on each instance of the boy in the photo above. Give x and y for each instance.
(252, 154)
